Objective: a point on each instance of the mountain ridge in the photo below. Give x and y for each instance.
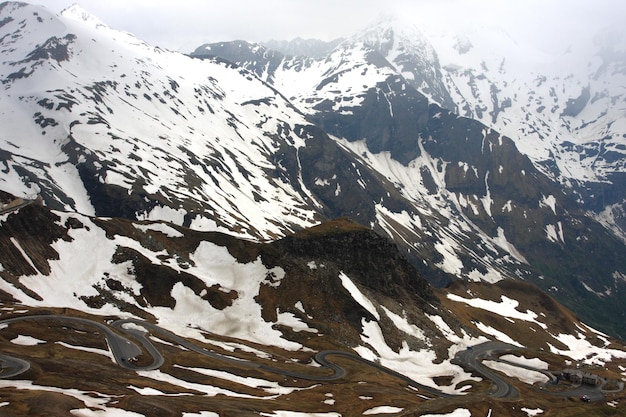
(257, 301)
(269, 208)
(433, 181)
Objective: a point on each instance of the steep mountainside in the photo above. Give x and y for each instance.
(179, 260)
(234, 327)
(565, 111)
(479, 209)
(107, 125)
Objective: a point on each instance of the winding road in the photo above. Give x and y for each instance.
(125, 350)
(472, 357)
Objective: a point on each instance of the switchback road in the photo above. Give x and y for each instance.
(119, 334)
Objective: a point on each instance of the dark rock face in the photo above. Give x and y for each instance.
(373, 260)
(34, 230)
(483, 165)
(259, 59)
(575, 105)
(388, 119)
(313, 261)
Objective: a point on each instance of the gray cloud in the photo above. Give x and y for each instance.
(184, 24)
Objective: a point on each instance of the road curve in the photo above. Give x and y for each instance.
(124, 350)
(473, 357)
(10, 366)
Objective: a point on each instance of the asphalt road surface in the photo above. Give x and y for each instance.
(124, 350)
(472, 357)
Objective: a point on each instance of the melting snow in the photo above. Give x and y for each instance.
(208, 390)
(459, 412)
(497, 334)
(506, 308)
(532, 412)
(383, 409)
(90, 399)
(580, 349)
(532, 362)
(421, 365)
(268, 386)
(402, 324)
(108, 412)
(27, 341)
(286, 413)
(525, 375)
(503, 242)
(550, 202)
(358, 296)
(103, 352)
(451, 262)
(160, 227)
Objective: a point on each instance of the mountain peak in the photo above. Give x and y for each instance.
(388, 31)
(79, 14)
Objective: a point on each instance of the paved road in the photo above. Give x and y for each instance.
(10, 366)
(124, 351)
(473, 357)
(16, 207)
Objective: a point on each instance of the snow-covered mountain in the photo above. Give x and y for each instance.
(471, 191)
(106, 125)
(565, 111)
(191, 198)
(105, 316)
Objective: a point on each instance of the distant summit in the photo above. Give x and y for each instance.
(312, 48)
(78, 13)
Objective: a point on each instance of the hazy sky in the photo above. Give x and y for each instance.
(185, 24)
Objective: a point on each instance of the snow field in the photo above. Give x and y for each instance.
(421, 365)
(507, 307)
(525, 375)
(158, 106)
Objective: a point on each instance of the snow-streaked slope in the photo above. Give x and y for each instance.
(189, 141)
(460, 197)
(565, 111)
(108, 125)
(558, 108)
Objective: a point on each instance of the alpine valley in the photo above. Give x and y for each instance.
(389, 224)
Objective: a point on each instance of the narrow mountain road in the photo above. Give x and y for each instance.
(9, 208)
(124, 352)
(472, 358)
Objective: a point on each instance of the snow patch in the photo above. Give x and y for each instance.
(358, 296)
(497, 334)
(549, 201)
(507, 307)
(27, 341)
(383, 409)
(580, 349)
(402, 324)
(521, 360)
(160, 227)
(421, 365)
(525, 375)
(459, 412)
(532, 412)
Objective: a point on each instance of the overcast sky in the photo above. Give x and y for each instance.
(185, 24)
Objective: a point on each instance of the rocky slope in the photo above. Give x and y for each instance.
(107, 125)
(180, 260)
(261, 309)
(478, 208)
(565, 111)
